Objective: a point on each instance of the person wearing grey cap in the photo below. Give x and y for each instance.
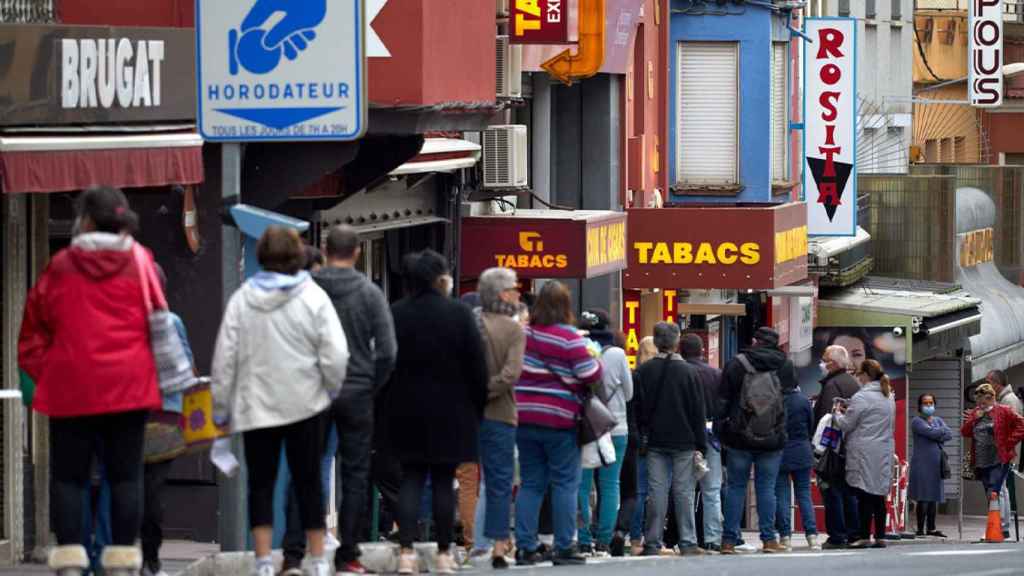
(753, 428)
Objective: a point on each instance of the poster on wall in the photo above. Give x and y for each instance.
(830, 126)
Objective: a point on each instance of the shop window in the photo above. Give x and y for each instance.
(707, 107)
(946, 150)
(960, 150)
(931, 151)
(780, 108)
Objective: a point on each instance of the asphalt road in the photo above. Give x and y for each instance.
(902, 560)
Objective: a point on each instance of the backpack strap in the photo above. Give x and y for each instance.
(746, 364)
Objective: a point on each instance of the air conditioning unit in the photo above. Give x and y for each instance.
(504, 151)
(502, 7)
(508, 68)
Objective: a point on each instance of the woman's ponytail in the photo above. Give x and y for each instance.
(874, 371)
(886, 385)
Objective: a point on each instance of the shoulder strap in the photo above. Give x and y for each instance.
(746, 364)
(141, 265)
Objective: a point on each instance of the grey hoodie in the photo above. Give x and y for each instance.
(366, 319)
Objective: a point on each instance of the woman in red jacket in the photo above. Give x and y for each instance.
(996, 431)
(85, 341)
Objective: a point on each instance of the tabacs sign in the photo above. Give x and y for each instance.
(985, 53)
(539, 22)
(275, 70)
(830, 126)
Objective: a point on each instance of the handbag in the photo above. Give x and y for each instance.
(944, 470)
(173, 368)
(599, 453)
(595, 420)
(197, 410)
(164, 439)
(967, 461)
(830, 466)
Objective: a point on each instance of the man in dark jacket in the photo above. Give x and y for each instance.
(711, 483)
(671, 415)
(841, 515)
(736, 403)
(366, 318)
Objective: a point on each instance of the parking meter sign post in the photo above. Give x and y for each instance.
(281, 70)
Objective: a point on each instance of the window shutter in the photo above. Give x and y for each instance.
(780, 119)
(707, 108)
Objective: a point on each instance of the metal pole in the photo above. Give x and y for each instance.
(231, 492)
(959, 473)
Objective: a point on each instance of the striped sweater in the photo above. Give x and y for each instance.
(557, 368)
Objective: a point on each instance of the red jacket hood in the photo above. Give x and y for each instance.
(99, 255)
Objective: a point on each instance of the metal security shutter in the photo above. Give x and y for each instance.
(780, 119)
(707, 105)
(942, 377)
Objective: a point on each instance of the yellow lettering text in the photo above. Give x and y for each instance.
(661, 254)
(750, 253)
(643, 250)
(631, 308)
(705, 254)
(682, 252)
(522, 24)
(727, 253)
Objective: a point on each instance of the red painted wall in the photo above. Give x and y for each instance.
(175, 13)
(1004, 130)
(442, 51)
(646, 109)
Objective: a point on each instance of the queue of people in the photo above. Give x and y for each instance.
(445, 392)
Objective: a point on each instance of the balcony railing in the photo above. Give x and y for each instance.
(22, 11)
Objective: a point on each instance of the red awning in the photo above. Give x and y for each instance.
(62, 163)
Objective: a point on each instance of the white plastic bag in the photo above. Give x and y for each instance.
(599, 453)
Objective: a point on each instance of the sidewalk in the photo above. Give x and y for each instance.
(176, 556)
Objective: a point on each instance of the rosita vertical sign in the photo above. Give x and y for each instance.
(985, 64)
(830, 127)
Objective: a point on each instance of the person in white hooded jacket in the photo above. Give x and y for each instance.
(280, 358)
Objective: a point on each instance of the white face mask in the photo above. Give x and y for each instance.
(823, 367)
(988, 408)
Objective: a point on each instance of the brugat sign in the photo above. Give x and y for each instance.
(99, 72)
(60, 75)
(985, 53)
(830, 127)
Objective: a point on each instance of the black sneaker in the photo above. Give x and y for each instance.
(937, 534)
(568, 557)
(601, 550)
(617, 548)
(713, 548)
(499, 563)
(651, 551)
(291, 567)
(525, 558)
(586, 549)
(830, 545)
(879, 544)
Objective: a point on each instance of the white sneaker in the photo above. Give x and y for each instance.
(331, 542)
(812, 542)
(786, 543)
(320, 567)
(747, 548)
(264, 570)
(446, 564)
(147, 572)
(408, 563)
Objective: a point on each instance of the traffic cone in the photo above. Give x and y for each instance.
(994, 530)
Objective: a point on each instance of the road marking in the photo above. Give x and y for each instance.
(961, 552)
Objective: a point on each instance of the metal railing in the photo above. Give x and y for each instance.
(23, 11)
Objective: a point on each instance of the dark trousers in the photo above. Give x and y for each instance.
(154, 479)
(841, 515)
(926, 516)
(628, 477)
(353, 417)
(871, 508)
(303, 444)
(414, 476)
(74, 442)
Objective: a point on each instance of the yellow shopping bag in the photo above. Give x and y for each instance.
(197, 410)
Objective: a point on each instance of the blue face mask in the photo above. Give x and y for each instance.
(928, 410)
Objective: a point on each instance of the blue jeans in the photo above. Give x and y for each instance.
(327, 463)
(784, 502)
(608, 488)
(671, 472)
(547, 456)
(766, 471)
(636, 531)
(497, 454)
(992, 478)
(480, 541)
(711, 496)
(96, 531)
(842, 519)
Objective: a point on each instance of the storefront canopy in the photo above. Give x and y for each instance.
(58, 163)
(545, 243)
(441, 155)
(1000, 345)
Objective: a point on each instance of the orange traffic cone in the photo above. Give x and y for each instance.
(994, 530)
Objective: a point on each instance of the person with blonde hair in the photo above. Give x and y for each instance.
(996, 430)
(869, 429)
(645, 352)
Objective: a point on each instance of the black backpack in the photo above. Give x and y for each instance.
(762, 415)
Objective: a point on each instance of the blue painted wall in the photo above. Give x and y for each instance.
(753, 29)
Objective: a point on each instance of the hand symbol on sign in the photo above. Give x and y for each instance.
(258, 50)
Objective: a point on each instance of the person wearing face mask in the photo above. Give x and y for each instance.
(996, 430)
(926, 482)
(435, 400)
(836, 382)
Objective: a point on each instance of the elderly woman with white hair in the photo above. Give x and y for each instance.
(504, 344)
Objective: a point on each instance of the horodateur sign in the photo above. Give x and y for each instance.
(81, 75)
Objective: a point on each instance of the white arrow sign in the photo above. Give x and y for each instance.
(375, 47)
